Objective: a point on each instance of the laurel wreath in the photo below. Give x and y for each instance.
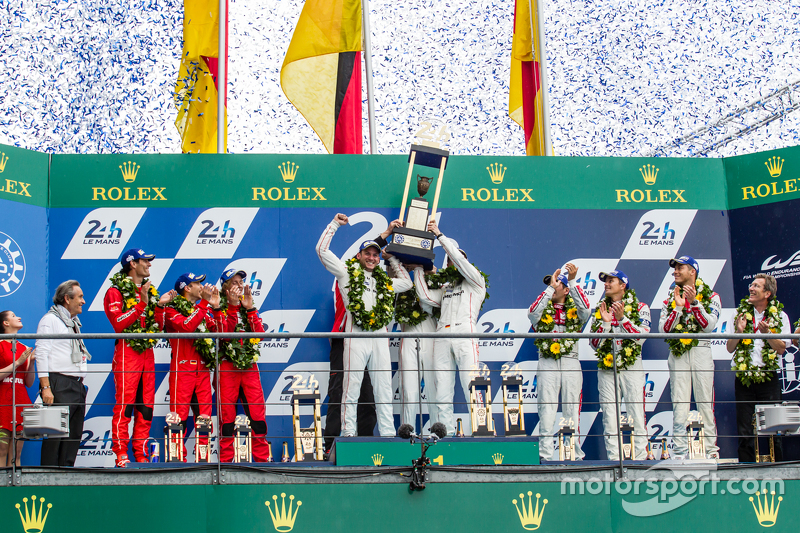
(453, 276)
(241, 352)
(554, 348)
(631, 350)
(407, 309)
(688, 323)
(746, 371)
(381, 313)
(205, 346)
(125, 285)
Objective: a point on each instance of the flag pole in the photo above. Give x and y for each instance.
(222, 75)
(373, 140)
(548, 144)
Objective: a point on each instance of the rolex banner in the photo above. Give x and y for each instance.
(321, 73)
(196, 90)
(264, 214)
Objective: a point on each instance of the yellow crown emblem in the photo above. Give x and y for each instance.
(649, 173)
(377, 459)
(281, 519)
(3, 161)
(288, 171)
(129, 171)
(774, 165)
(531, 518)
(498, 458)
(767, 513)
(33, 522)
(496, 171)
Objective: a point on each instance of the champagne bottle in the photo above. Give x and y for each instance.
(664, 450)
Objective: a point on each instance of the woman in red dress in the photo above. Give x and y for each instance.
(11, 323)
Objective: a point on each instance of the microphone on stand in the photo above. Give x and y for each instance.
(406, 431)
(439, 430)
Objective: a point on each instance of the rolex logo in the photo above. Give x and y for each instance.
(3, 161)
(766, 513)
(498, 458)
(377, 459)
(774, 165)
(288, 171)
(31, 521)
(129, 171)
(496, 171)
(649, 173)
(282, 519)
(530, 517)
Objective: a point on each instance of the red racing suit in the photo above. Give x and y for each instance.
(245, 386)
(134, 377)
(189, 379)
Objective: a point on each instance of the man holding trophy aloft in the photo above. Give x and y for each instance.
(561, 308)
(460, 298)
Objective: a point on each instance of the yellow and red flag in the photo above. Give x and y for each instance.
(321, 73)
(196, 92)
(525, 95)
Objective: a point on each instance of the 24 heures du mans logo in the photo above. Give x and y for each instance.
(650, 174)
(497, 173)
(129, 171)
(288, 174)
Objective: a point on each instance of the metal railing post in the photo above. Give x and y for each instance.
(13, 450)
(218, 429)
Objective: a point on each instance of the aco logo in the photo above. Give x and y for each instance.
(12, 266)
(647, 195)
(288, 172)
(130, 171)
(497, 173)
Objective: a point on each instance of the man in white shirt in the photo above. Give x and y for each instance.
(62, 365)
(752, 386)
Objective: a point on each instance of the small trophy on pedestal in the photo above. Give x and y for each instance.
(307, 441)
(697, 439)
(242, 440)
(173, 435)
(480, 402)
(202, 447)
(628, 448)
(566, 442)
(513, 415)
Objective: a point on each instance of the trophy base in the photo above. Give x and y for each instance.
(413, 247)
(483, 431)
(516, 433)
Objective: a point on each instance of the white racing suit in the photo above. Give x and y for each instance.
(411, 374)
(562, 375)
(694, 370)
(631, 388)
(360, 353)
(460, 304)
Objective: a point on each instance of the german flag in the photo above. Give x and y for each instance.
(525, 94)
(321, 73)
(196, 92)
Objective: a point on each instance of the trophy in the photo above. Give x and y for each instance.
(173, 435)
(413, 243)
(769, 458)
(513, 416)
(628, 449)
(480, 402)
(202, 448)
(307, 441)
(697, 440)
(566, 443)
(242, 440)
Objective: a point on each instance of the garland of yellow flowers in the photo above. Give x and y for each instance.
(631, 350)
(407, 309)
(688, 323)
(204, 346)
(453, 276)
(554, 348)
(125, 285)
(742, 362)
(381, 313)
(243, 353)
